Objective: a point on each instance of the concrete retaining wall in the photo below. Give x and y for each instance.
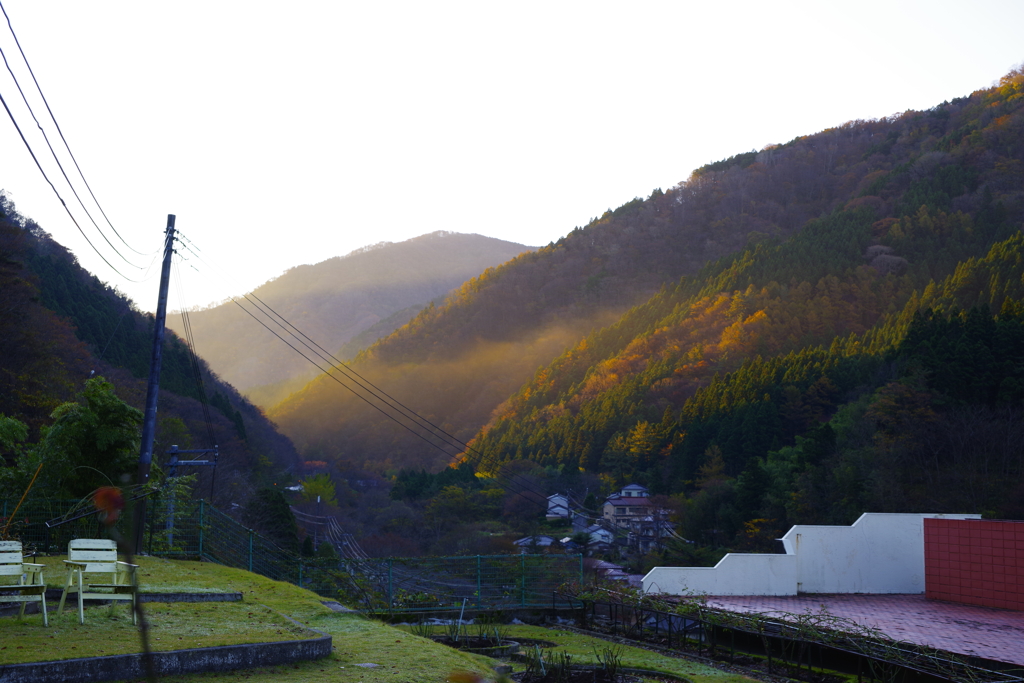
(879, 553)
(178, 662)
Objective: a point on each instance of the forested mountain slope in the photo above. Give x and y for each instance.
(59, 325)
(335, 300)
(828, 234)
(874, 361)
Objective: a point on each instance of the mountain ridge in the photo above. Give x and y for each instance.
(335, 300)
(942, 159)
(62, 326)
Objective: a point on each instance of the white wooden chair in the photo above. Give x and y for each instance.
(30, 586)
(98, 556)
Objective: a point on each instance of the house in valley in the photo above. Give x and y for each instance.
(629, 504)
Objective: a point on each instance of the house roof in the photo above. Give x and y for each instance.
(541, 541)
(622, 501)
(604, 565)
(609, 570)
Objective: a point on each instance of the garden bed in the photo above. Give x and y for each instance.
(480, 646)
(580, 674)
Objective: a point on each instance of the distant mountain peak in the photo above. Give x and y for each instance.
(339, 298)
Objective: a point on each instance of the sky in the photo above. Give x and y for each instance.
(288, 133)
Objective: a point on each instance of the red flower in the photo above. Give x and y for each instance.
(109, 501)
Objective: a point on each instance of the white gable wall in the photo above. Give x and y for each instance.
(879, 553)
(754, 574)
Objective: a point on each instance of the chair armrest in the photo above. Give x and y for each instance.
(33, 572)
(127, 564)
(76, 565)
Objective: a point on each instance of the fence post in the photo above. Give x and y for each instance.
(479, 578)
(522, 583)
(391, 595)
(250, 549)
(202, 505)
(156, 502)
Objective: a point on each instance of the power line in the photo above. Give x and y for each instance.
(359, 380)
(57, 160)
(407, 413)
(60, 132)
(62, 202)
(327, 372)
(194, 363)
(395, 403)
(513, 483)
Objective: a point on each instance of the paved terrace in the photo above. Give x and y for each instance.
(963, 629)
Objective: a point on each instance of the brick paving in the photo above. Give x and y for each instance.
(987, 632)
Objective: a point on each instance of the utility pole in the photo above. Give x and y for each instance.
(153, 389)
(172, 471)
(316, 527)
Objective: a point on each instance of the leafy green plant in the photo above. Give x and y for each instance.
(534, 663)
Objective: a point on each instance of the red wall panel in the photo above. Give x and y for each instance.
(975, 561)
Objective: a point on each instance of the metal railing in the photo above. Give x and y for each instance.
(197, 530)
(792, 646)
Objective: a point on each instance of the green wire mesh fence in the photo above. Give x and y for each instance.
(196, 530)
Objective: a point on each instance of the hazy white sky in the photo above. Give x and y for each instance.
(288, 133)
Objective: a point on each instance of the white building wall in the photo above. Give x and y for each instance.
(879, 553)
(757, 574)
(558, 506)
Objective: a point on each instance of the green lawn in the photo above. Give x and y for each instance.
(399, 656)
(584, 650)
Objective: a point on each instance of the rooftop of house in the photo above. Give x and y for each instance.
(541, 541)
(631, 491)
(620, 501)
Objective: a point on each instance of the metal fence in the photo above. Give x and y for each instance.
(795, 647)
(195, 530)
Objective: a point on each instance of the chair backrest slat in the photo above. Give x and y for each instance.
(92, 544)
(99, 554)
(93, 555)
(11, 559)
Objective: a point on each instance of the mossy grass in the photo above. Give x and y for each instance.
(397, 656)
(585, 650)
